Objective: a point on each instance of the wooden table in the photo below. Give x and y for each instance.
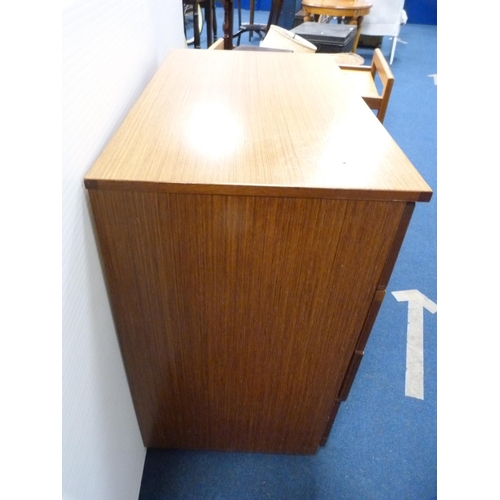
(352, 10)
(246, 263)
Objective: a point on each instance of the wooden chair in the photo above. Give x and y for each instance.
(363, 79)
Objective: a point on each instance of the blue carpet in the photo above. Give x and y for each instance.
(383, 443)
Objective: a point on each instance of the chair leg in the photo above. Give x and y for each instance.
(196, 26)
(252, 17)
(239, 22)
(209, 20)
(214, 17)
(393, 49)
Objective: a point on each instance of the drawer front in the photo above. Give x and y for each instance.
(350, 375)
(370, 320)
(331, 419)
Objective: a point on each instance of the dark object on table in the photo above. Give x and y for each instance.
(328, 38)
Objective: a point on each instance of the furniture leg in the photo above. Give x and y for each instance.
(393, 49)
(209, 18)
(214, 17)
(239, 22)
(196, 26)
(358, 21)
(227, 25)
(252, 15)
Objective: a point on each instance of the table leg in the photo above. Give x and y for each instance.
(196, 26)
(252, 15)
(227, 25)
(214, 18)
(307, 16)
(359, 20)
(209, 21)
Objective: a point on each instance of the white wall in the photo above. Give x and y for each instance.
(111, 49)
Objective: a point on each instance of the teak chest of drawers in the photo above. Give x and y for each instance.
(247, 233)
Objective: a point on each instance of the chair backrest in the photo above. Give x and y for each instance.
(363, 79)
(381, 66)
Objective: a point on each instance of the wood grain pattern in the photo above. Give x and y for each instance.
(346, 5)
(286, 132)
(396, 246)
(238, 316)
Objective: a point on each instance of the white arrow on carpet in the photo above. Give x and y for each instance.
(417, 302)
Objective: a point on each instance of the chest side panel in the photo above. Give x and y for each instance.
(237, 316)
